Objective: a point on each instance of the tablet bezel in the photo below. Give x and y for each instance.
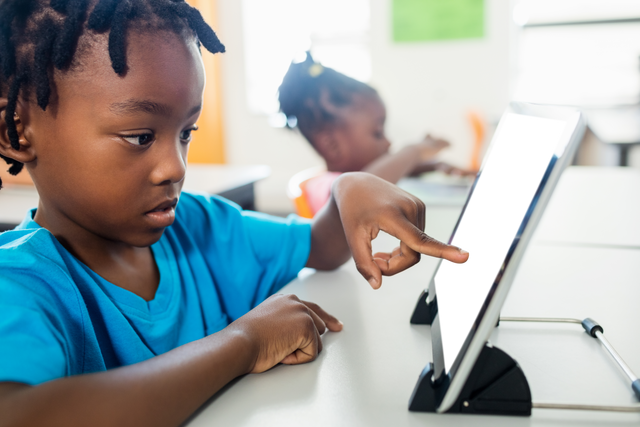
(452, 382)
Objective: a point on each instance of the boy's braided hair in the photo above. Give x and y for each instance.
(38, 35)
(302, 89)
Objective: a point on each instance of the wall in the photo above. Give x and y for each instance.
(431, 86)
(208, 144)
(428, 87)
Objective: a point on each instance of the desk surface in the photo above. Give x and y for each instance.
(590, 206)
(366, 373)
(594, 206)
(616, 125)
(15, 201)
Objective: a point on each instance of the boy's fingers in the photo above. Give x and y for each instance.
(399, 260)
(331, 322)
(319, 323)
(367, 267)
(420, 242)
(306, 353)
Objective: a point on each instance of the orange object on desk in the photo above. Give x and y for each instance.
(479, 132)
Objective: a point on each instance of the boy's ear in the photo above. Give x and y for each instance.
(26, 153)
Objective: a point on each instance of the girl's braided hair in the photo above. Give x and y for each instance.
(38, 35)
(302, 90)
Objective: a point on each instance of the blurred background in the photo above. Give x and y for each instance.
(434, 62)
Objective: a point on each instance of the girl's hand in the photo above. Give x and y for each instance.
(453, 170)
(430, 147)
(368, 204)
(284, 329)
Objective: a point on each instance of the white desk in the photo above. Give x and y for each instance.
(366, 373)
(231, 181)
(590, 206)
(594, 206)
(616, 125)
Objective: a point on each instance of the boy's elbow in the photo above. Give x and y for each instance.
(328, 264)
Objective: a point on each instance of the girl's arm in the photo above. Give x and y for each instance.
(165, 390)
(392, 167)
(442, 167)
(362, 205)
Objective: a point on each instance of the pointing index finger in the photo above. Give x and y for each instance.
(421, 242)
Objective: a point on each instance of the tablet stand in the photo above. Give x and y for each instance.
(496, 386)
(424, 313)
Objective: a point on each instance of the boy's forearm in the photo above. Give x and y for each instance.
(329, 248)
(162, 391)
(393, 167)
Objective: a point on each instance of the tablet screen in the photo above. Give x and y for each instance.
(521, 153)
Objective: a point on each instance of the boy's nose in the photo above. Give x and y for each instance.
(170, 165)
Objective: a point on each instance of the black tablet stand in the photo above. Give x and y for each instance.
(424, 313)
(496, 385)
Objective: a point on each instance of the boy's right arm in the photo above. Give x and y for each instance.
(165, 390)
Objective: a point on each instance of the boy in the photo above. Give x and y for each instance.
(119, 306)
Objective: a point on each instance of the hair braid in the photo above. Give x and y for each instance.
(38, 35)
(59, 6)
(102, 15)
(12, 131)
(205, 34)
(302, 87)
(64, 47)
(117, 40)
(12, 102)
(7, 49)
(41, 59)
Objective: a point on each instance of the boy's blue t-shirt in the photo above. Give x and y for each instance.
(216, 262)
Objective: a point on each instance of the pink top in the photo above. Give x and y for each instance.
(318, 190)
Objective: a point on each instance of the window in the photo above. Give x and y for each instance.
(279, 31)
(578, 52)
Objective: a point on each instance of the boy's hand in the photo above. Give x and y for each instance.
(368, 204)
(284, 329)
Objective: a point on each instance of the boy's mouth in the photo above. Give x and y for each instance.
(163, 215)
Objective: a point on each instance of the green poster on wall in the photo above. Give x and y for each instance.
(424, 20)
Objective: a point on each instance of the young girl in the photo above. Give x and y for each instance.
(120, 305)
(343, 120)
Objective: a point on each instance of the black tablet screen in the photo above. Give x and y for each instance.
(503, 195)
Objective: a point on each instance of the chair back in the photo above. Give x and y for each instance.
(297, 192)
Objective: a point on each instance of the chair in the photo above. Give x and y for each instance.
(479, 130)
(296, 190)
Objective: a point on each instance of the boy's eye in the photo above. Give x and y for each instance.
(185, 135)
(142, 139)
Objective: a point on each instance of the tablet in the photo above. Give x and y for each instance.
(531, 147)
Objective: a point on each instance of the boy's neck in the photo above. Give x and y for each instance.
(129, 267)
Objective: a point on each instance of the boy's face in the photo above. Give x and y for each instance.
(110, 151)
(360, 132)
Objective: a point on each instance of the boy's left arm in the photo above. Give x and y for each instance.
(361, 206)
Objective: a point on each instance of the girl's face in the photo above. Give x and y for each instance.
(360, 132)
(110, 152)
